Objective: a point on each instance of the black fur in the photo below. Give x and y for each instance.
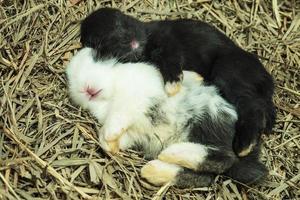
(189, 179)
(104, 31)
(190, 45)
(218, 132)
(214, 131)
(253, 170)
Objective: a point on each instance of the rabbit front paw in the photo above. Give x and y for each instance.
(109, 146)
(114, 128)
(172, 88)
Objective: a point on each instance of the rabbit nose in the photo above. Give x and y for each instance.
(92, 92)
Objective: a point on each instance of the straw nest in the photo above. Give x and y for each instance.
(49, 147)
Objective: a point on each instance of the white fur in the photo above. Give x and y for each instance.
(205, 96)
(83, 71)
(129, 90)
(186, 154)
(158, 172)
(136, 84)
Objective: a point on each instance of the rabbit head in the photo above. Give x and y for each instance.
(91, 83)
(113, 34)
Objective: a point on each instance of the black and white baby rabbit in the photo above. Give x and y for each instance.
(176, 45)
(188, 136)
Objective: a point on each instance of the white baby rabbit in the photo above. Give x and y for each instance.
(101, 87)
(189, 135)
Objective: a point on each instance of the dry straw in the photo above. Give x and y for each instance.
(49, 147)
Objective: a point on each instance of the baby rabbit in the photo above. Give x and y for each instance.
(189, 136)
(183, 44)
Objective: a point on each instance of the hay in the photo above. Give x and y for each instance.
(48, 147)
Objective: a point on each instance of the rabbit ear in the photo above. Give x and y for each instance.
(74, 73)
(81, 58)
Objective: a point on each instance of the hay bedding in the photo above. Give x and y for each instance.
(48, 147)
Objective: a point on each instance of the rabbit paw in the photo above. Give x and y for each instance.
(244, 144)
(109, 146)
(189, 155)
(172, 88)
(198, 77)
(113, 129)
(159, 173)
(247, 150)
